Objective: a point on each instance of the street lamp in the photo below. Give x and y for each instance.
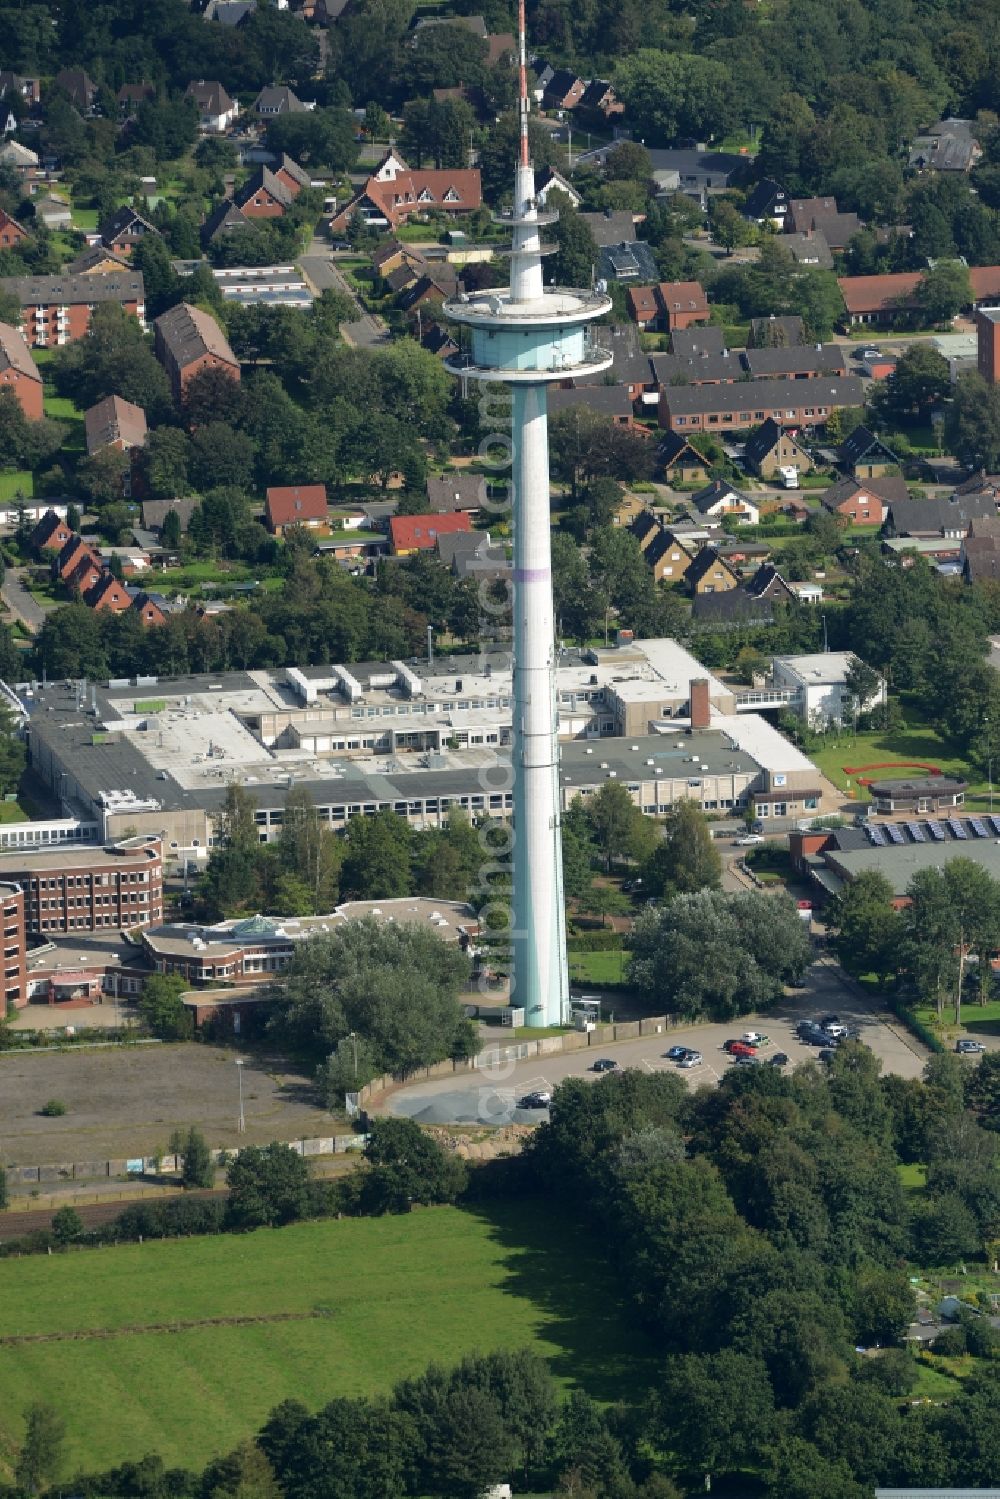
(242, 1126)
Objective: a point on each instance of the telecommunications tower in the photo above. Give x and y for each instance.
(529, 336)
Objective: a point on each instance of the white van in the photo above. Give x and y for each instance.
(789, 477)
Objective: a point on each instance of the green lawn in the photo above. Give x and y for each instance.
(16, 479)
(597, 967)
(912, 1176)
(373, 1301)
(62, 409)
(933, 1382)
(918, 741)
(84, 218)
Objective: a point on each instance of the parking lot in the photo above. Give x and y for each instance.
(492, 1096)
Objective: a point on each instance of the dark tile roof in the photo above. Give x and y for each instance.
(693, 343)
(860, 444)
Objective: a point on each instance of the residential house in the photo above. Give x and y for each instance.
(612, 227)
(629, 260)
(428, 291)
(471, 554)
(56, 310)
(866, 456)
(645, 527)
(295, 505)
(822, 214)
(51, 533)
(388, 198)
(767, 203)
(793, 403)
(719, 499)
(30, 89)
(114, 423)
(949, 516)
(609, 401)
(19, 372)
(263, 196)
(696, 173)
(697, 341)
(77, 564)
(863, 502)
(667, 557)
(419, 533)
(772, 448)
(11, 232)
(732, 609)
(290, 174)
(710, 573)
(703, 369)
(216, 110)
(96, 260)
(154, 608)
(985, 283)
(600, 101)
(131, 95)
(78, 87)
(274, 101)
(786, 331)
(682, 464)
(980, 551)
(880, 300)
(808, 363)
(456, 491)
(438, 341)
(54, 213)
(233, 13)
(19, 159)
(684, 303)
(155, 512)
(948, 146)
(767, 583)
(187, 341)
(809, 247)
(564, 90)
(551, 181)
(629, 508)
(225, 218)
(124, 230)
(107, 593)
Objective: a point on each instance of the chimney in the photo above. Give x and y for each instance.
(701, 707)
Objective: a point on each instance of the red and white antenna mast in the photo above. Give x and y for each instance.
(522, 59)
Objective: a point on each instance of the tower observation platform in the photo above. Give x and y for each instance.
(529, 336)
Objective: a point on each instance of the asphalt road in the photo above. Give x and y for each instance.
(491, 1097)
(323, 273)
(19, 601)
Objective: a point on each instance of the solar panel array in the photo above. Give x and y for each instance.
(895, 833)
(899, 834)
(996, 823)
(875, 835)
(916, 832)
(936, 831)
(979, 827)
(957, 828)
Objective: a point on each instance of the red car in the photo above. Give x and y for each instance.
(742, 1049)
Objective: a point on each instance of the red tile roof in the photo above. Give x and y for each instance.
(879, 293)
(287, 504)
(417, 191)
(412, 533)
(985, 282)
(683, 296)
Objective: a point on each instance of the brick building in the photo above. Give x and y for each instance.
(15, 987)
(988, 349)
(56, 309)
(19, 372)
(188, 340)
(88, 888)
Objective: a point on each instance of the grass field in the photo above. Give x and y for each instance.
(367, 1302)
(598, 967)
(62, 409)
(917, 741)
(913, 1176)
(13, 480)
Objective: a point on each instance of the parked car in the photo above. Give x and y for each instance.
(968, 1047)
(742, 1049)
(750, 1061)
(749, 840)
(827, 1054)
(535, 1101)
(836, 1031)
(675, 1053)
(692, 1059)
(814, 1037)
(778, 1060)
(604, 1064)
(754, 1038)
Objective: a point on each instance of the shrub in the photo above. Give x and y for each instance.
(67, 1225)
(54, 1109)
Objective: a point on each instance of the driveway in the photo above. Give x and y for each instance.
(19, 601)
(323, 274)
(490, 1096)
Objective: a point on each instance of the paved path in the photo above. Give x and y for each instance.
(491, 1097)
(323, 274)
(19, 601)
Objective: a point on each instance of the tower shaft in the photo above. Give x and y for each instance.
(541, 979)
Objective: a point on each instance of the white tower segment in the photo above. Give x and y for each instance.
(529, 336)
